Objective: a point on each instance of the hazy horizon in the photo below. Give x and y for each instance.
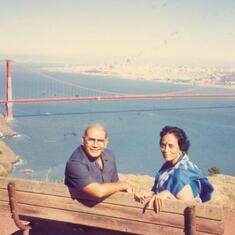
(190, 32)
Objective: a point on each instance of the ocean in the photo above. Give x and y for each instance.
(47, 134)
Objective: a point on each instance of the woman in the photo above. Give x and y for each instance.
(178, 177)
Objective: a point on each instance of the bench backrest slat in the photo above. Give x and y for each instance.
(117, 212)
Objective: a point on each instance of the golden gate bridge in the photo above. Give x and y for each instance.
(75, 94)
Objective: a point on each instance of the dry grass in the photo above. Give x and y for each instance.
(224, 193)
(224, 185)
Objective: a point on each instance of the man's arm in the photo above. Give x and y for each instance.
(101, 190)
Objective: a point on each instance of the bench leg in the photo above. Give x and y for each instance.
(190, 221)
(14, 209)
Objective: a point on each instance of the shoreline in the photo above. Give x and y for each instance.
(7, 157)
(198, 77)
(173, 82)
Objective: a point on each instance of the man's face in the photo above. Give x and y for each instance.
(95, 142)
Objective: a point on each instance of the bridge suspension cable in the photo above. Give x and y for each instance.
(53, 78)
(101, 91)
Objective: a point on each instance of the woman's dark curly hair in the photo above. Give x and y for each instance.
(181, 136)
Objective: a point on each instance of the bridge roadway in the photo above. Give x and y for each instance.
(118, 97)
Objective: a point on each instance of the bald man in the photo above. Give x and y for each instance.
(91, 168)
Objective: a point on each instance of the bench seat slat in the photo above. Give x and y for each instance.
(66, 206)
(202, 210)
(119, 212)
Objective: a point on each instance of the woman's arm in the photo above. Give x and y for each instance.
(156, 201)
(185, 193)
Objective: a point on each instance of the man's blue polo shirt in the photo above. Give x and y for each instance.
(82, 170)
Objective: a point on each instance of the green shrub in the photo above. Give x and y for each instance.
(213, 171)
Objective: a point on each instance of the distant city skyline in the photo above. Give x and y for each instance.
(143, 31)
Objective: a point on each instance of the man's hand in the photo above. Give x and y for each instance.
(126, 187)
(129, 190)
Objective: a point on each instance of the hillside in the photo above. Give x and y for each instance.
(224, 185)
(7, 156)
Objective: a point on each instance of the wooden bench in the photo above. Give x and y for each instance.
(119, 212)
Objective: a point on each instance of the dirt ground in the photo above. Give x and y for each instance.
(7, 225)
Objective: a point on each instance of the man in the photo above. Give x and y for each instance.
(91, 168)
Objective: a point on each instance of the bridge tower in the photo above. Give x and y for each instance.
(9, 104)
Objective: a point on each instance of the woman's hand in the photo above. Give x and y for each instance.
(156, 201)
(144, 197)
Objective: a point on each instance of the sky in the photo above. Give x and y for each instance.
(143, 31)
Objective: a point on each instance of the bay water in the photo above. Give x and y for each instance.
(48, 133)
